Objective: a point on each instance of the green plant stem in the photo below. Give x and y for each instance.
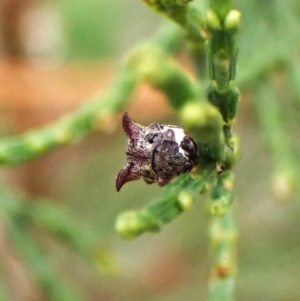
(221, 56)
(293, 75)
(71, 128)
(223, 235)
(178, 197)
(169, 37)
(34, 254)
(54, 220)
(155, 66)
(221, 50)
(147, 63)
(274, 134)
(204, 122)
(221, 197)
(180, 12)
(31, 251)
(272, 122)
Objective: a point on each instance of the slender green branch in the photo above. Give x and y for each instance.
(32, 251)
(34, 254)
(223, 235)
(178, 197)
(71, 128)
(222, 55)
(169, 38)
(204, 122)
(180, 12)
(222, 23)
(273, 124)
(289, 182)
(293, 75)
(146, 63)
(202, 119)
(55, 221)
(155, 66)
(221, 197)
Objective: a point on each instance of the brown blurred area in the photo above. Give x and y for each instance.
(34, 92)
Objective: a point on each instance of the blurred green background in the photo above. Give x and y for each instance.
(174, 264)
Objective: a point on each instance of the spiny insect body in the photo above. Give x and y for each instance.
(157, 153)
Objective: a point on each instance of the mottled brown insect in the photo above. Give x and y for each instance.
(157, 153)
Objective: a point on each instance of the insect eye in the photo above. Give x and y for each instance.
(151, 138)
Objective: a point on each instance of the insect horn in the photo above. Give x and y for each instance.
(131, 128)
(126, 174)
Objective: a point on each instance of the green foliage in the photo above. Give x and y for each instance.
(205, 119)
(209, 32)
(22, 219)
(178, 197)
(178, 11)
(87, 27)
